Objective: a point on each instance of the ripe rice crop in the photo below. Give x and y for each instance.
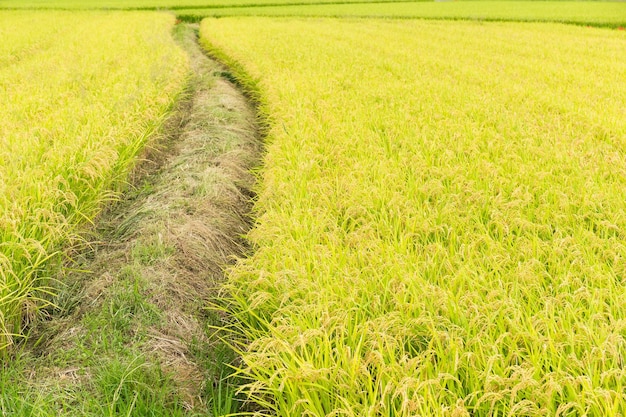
(80, 93)
(578, 12)
(441, 220)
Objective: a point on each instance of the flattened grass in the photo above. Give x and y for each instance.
(442, 221)
(81, 93)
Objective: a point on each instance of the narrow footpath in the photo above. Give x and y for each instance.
(132, 332)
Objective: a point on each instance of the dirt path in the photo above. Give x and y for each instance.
(131, 333)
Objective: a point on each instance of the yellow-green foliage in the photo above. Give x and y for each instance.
(442, 221)
(80, 92)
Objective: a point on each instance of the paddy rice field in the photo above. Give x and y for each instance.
(440, 227)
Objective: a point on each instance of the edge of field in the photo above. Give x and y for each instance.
(191, 18)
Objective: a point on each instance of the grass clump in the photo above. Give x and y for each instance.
(78, 107)
(441, 218)
(132, 389)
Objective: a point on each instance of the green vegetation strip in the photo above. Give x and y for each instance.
(441, 218)
(591, 13)
(81, 92)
